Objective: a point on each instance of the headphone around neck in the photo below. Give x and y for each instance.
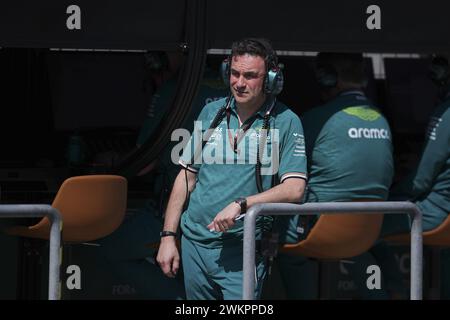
(273, 80)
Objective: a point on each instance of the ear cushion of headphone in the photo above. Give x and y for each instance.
(274, 81)
(225, 71)
(439, 70)
(156, 61)
(326, 76)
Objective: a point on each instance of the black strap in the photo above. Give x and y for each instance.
(240, 133)
(216, 121)
(226, 110)
(260, 148)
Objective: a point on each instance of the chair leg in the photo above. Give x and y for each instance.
(66, 261)
(435, 274)
(319, 279)
(30, 269)
(324, 280)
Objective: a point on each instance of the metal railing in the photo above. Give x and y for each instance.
(36, 211)
(278, 209)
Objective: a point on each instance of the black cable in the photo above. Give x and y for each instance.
(260, 150)
(216, 121)
(186, 200)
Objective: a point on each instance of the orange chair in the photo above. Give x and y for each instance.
(335, 237)
(437, 238)
(338, 236)
(91, 207)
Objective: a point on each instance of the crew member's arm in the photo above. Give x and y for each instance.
(168, 257)
(290, 190)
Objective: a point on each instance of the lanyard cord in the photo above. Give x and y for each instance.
(260, 147)
(240, 133)
(216, 121)
(226, 110)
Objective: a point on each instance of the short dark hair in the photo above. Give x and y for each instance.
(350, 67)
(256, 47)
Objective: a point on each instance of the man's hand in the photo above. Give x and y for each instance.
(168, 257)
(224, 220)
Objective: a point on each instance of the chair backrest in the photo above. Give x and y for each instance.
(338, 236)
(439, 236)
(91, 207)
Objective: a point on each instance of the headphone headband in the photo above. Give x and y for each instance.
(327, 68)
(271, 58)
(326, 75)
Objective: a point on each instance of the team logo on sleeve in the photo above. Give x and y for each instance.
(299, 145)
(432, 127)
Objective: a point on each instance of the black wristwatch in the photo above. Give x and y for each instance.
(167, 234)
(242, 202)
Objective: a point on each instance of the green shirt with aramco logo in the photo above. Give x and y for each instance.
(429, 184)
(223, 175)
(349, 150)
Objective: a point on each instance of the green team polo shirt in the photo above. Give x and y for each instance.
(349, 150)
(429, 183)
(232, 175)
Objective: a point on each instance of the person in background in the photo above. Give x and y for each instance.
(350, 156)
(427, 185)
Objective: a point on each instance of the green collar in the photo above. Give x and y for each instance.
(261, 111)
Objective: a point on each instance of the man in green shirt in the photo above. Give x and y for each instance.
(349, 151)
(348, 140)
(428, 185)
(223, 178)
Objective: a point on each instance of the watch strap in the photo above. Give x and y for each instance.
(165, 233)
(242, 202)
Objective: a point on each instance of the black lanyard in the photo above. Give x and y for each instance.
(240, 133)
